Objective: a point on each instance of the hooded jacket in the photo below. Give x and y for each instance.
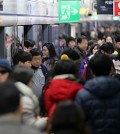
(100, 100)
(57, 90)
(30, 107)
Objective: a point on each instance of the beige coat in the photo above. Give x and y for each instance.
(30, 106)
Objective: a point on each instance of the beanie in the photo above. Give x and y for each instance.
(64, 57)
(5, 64)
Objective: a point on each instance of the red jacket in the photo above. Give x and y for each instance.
(58, 90)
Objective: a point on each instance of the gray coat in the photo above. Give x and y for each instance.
(11, 125)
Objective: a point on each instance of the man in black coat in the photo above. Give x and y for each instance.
(100, 98)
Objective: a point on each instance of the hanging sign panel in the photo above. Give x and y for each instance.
(104, 6)
(68, 11)
(116, 8)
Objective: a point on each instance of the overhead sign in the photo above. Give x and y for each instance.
(69, 11)
(104, 6)
(116, 8)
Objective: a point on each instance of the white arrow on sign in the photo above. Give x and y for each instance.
(74, 11)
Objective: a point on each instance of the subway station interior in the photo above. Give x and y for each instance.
(39, 20)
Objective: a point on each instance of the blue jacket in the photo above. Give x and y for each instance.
(100, 100)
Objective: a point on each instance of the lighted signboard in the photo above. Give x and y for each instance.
(116, 8)
(104, 6)
(69, 11)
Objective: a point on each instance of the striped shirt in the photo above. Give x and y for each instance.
(38, 81)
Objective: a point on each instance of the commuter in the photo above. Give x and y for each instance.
(107, 49)
(85, 32)
(10, 111)
(94, 48)
(40, 45)
(40, 72)
(63, 39)
(85, 71)
(22, 77)
(117, 46)
(72, 54)
(116, 62)
(5, 70)
(93, 33)
(109, 39)
(100, 42)
(22, 58)
(49, 55)
(29, 45)
(81, 48)
(70, 42)
(84, 62)
(61, 46)
(90, 44)
(64, 84)
(101, 32)
(68, 118)
(100, 98)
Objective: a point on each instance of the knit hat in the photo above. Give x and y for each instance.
(64, 57)
(5, 64)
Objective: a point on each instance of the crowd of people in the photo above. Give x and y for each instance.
(67, 88)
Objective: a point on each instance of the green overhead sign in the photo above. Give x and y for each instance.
(69, 11)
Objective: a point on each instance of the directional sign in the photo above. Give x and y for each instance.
(69, 11)
(117, 8)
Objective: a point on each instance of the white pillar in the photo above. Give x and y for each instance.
(73, 30)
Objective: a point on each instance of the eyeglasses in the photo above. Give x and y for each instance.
(3, 72)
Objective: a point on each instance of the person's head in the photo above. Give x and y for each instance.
(29, 45)
(100, 65)
(48, 50)
(82, 43)
(71, 42)
(65, 67)
(72, 54)
(40, 43)
(9, 99)
(91, 43)
(107, 49)
(22, 74)
(109, 39)
(117, 42)
(22, 58)
(62, 40)
(68, 117)
(94, 48)
(99, 42)
(5, 70)
(36, 58)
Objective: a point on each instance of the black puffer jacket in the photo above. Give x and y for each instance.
(100, 101)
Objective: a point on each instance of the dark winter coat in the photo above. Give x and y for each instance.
(100, 100)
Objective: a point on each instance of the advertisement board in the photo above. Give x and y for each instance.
(104, 6)
(116, 8)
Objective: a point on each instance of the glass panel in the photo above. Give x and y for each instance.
(9, 45)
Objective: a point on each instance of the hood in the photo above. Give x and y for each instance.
(24, 89)
(103, 86)
(61, 89)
